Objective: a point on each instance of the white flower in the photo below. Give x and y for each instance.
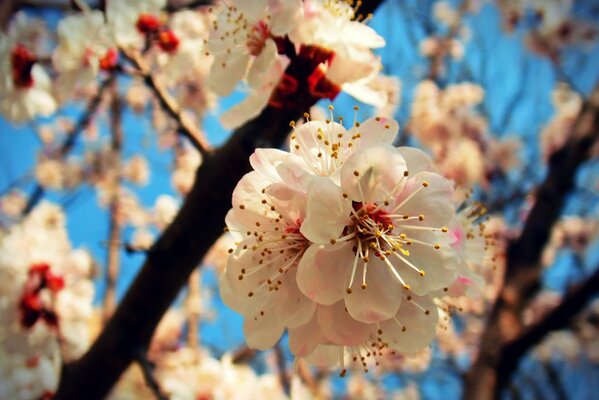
(244, 35)
(136, 170)
(24, 85)
(165, 210)
(260, 278)
(131, 20)
(85, 46)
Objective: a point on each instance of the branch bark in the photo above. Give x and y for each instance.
(114, 230)
(522, 277)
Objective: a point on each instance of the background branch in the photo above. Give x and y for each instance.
(522, 276)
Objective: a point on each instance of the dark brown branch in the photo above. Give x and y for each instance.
(178, 6)
(522, 277)
(71, 138)
(187, 127)
(147, 369)
(557, 319)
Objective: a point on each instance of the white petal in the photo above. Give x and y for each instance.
(285, 15)
(325, 356)
(245, 111)
(226, 71)
(435, 201)
(262, 332)
(379, 300)
(375, 131)
(416, 159)
(262, 65)
(323, 272)
(340, 328)
(293, 308)
(420, 327)
(373, 174)
(327, 212)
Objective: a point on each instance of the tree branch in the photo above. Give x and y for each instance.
(114, 230)
(558, 318)
(282, 369)
(187, 127)
(522, 277)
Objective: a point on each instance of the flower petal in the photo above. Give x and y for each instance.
(375, 131)
(380, 299)
(420, 327)
(327, 211)
(323, 272)
(305, 338)
(226, 71)
(416, 159)
(340, 328)
(373, 174)
(293, 308)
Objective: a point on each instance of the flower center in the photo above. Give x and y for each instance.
(257, 37)
(109, 60)
(31, 305)
(148, 23)
(168, 41)
(22, 63)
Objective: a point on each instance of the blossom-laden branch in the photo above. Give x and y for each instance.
(71, 137)
(114, 231)
(523, 270)
(187, 127)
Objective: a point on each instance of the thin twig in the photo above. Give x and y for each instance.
(114, 231)
(187, 127)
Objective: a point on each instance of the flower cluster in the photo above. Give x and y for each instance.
(446, 121)
(46, 301)
(291, 52)
(345, 241)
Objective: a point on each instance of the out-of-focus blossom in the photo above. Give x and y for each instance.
(136, 170)
(165, 210)
(25, 88)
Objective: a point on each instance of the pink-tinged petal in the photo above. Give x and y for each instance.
(295, 173)
(362, 91)
(373, 174)
(305, 338)
(262, 65)
(325, 356)
(323, 272)
(434, 199)
(380, 299)
(416, 159)
(235, 227)
(340, 328)
(327, 211)
(293, 308)
(420, 327)
(375, 131)
(262, 331)
(227, 71)
(288, 202)
(246, 199)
